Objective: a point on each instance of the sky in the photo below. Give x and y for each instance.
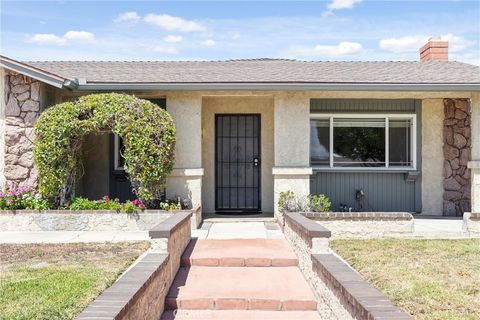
(347, 30)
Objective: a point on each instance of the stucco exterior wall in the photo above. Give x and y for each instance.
(474, 165)
(292, 130)
(292, 146)
(475, 126)
(186, 179)
(240, 104)
(432, 156)
(3, 101)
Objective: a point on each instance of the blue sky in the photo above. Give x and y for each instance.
(199, 30)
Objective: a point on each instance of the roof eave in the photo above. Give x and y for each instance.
(280, 86)
(32, 72)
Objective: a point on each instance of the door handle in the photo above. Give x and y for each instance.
(256, 161)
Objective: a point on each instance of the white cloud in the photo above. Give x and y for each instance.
(342, 4)
(129, 16)
(47, 38)
(172, 23)
(208, 43)
(79, 35)
(414, 42)
(341, 49)
(403, 44)
(456, 43)
(165, 50)
(173, 38)
(69, 36)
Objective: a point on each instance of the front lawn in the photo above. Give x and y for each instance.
(430, 279)
(56, 281)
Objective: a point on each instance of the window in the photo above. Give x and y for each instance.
(362, 141)
(119, 148)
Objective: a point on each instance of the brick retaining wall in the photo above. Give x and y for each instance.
(341, 291)
(140, 293)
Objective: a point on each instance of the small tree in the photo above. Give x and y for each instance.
(147, 130)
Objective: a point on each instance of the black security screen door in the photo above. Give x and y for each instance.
(237, 162)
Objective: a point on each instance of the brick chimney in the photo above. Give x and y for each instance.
(435, 50)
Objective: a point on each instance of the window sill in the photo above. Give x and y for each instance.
(379, 170)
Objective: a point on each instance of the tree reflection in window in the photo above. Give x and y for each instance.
(359, 142)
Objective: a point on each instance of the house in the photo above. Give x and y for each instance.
(372, 136)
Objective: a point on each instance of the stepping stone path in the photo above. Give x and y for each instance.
(240, 279)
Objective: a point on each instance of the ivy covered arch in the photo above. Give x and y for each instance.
(147, 130)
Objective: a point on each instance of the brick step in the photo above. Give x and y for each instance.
(237, 288)
(239, 315)
(239, 253)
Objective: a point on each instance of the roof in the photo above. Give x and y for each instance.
(262, 72)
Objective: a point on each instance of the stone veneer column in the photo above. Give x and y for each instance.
(457, 154)
(292, 169)
(22, 108)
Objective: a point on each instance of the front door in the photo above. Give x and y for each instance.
(237, 162)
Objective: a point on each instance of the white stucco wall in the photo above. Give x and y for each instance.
(292, 146)
(474, 165)
(237, 104)
(292, 130)
(186, 111)
(3, 101)
(186, 179)
(432, 156)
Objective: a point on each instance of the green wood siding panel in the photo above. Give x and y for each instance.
(384, 191)
(362, 105)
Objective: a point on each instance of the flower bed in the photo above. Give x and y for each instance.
(22, 198)
(23, 210)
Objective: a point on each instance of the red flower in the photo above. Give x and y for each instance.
(142, 206)
(135, 202)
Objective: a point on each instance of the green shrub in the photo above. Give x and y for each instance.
(287, 201)
(104, 204)
(319, 203)
(170, 205)
(80, 204)
(21, 198)
(147, 130)
(35, 202)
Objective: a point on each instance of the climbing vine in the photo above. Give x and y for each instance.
(147, 130)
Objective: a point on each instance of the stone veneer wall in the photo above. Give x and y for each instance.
(457, 152)
(22, 108)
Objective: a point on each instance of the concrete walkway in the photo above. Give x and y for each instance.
(239, 230)
(438, 227)
(425, 227)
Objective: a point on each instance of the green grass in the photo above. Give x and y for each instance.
(430, 279)
(58, 281)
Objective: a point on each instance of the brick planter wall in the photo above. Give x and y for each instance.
(140, 292)
(22, 108)
(457, 153)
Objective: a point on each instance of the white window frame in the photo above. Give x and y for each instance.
(116, 160)
(387, 117)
